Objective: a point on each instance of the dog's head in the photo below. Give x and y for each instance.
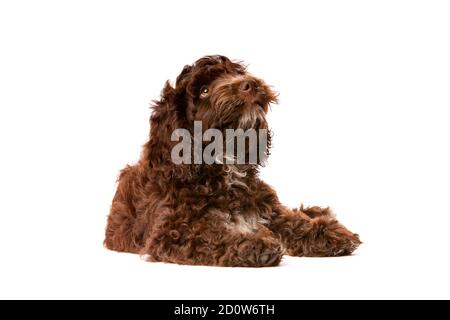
(221, 94)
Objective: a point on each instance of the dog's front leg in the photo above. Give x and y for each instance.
(311, 232)
(212, 240)
(317, 236)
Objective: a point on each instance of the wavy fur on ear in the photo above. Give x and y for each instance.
(213, 214)
(163, 121)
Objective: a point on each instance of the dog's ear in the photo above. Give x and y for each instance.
(168, 114)
(163, 121)
(183, 77)
(182, 90)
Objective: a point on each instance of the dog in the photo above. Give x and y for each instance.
(217, 214)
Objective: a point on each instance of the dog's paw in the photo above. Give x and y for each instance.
(325, 237)
(330, 238)
(259, 252)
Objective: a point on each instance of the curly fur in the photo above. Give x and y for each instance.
(217, 214)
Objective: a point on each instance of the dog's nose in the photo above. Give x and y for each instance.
(247, 86)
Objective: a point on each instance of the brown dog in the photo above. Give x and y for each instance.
(213, 214)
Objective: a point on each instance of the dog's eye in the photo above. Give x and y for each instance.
(204, 92)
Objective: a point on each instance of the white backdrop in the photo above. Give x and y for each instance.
(362, 125)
